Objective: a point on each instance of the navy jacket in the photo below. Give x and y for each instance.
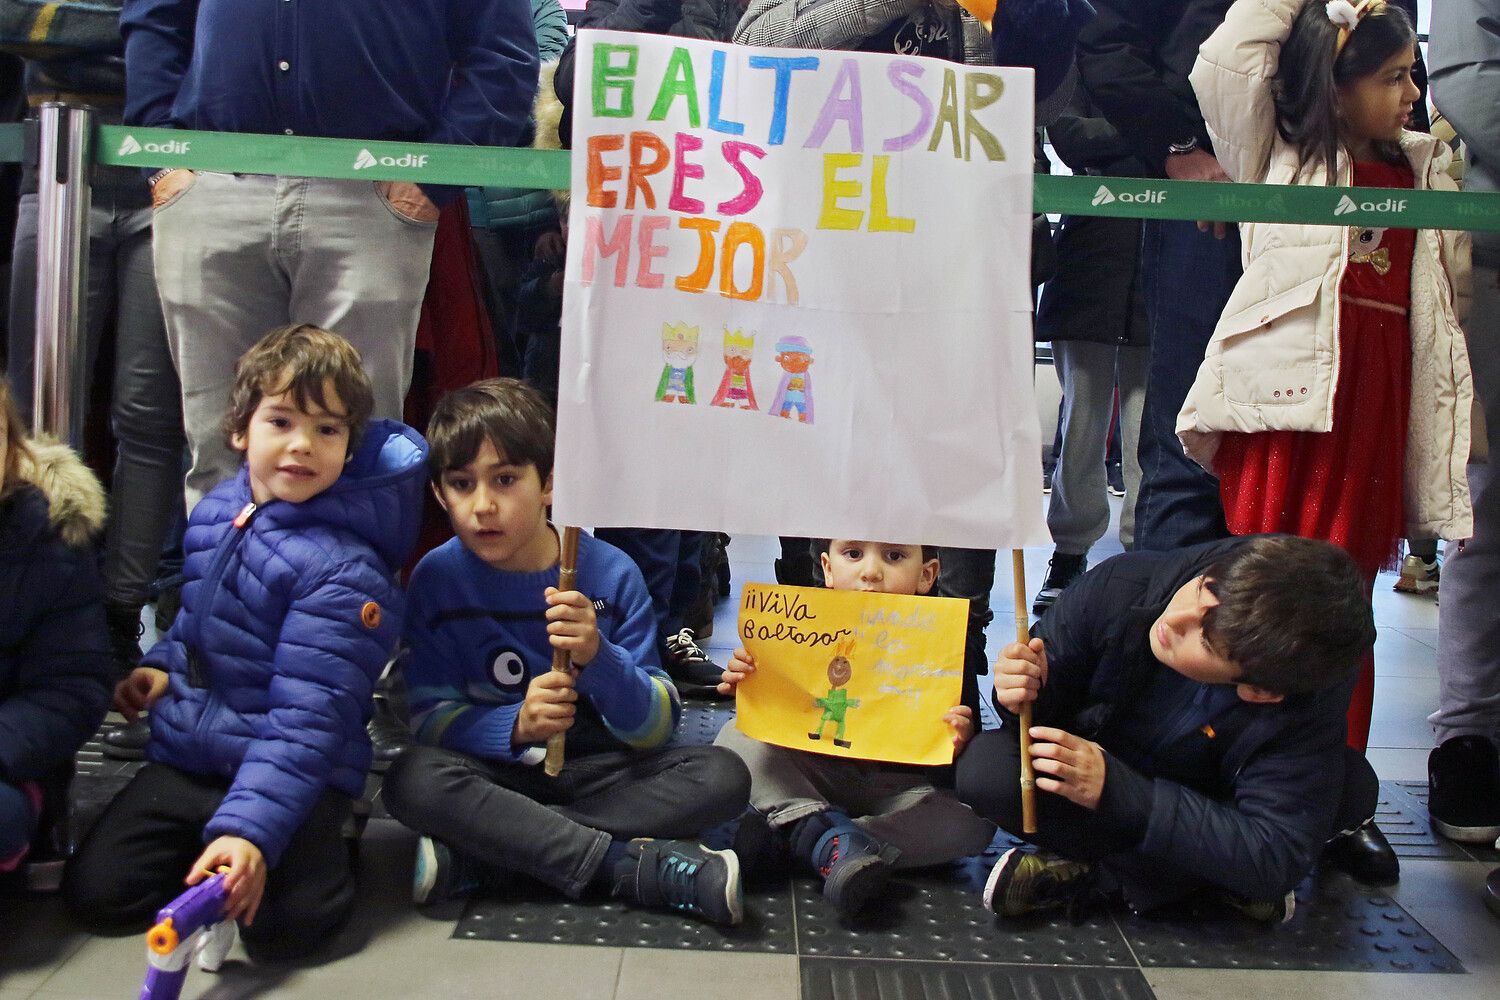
(288, 617)
(442, 71)
(1246, 807)
(55, 666)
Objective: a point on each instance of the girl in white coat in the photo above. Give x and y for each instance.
(1335, 397)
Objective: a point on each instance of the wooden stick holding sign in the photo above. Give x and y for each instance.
(1023, 636)
(567, 579)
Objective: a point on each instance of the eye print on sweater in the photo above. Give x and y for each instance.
(508, 670)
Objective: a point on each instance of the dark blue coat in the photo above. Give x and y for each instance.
(1247, 807)
(288, 617)
(55, 667)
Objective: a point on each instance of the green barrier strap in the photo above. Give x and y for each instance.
(304, 156)
(301, 156)
(12, 142)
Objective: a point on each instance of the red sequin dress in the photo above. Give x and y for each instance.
(1344, 486)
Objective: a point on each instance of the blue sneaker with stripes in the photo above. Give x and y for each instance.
(684, 876)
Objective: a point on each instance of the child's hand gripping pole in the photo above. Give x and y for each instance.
(1023, 636)
(192, 923)
(567, 579)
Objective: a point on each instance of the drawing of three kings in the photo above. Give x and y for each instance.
(679, 346)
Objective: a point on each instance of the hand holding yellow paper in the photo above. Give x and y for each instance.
(867, 676)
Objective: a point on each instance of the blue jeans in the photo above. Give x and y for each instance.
(1186, 277)
(671, 563)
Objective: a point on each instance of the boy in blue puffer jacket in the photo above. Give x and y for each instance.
(260, 692)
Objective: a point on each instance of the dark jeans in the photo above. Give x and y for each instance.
(988, 777)
(146, 410)
(513, 817)
(134, 860)
(671, 562)
(17, 821)
(970, 573)
(1186, 277)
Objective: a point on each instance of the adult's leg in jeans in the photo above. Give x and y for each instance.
(687, 580)
(1186, 277)
(498, 814)
(21, 320)
(657, 553)
(221, 290)
(147, 420)
(1130, 379)
(357, 268)
(310, 892)
(1078, 511)
(970, 574)
(134, 859)
(1468, 658)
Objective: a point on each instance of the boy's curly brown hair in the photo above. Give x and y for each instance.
(301, 360)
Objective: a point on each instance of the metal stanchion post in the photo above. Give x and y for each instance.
(62, 236)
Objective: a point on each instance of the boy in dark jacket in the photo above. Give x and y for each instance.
(260, 692)
(1188, 727)
(484, 620)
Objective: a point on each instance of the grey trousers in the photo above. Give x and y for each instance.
(1468, 656)
(240, 254)
(922, 824)
(145, 415)
(1078, 513)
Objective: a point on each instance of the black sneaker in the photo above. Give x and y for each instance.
(853, 867)
(1463, 789)
(1062, 570)
(1114, 476)
(1022, 883)
(684, 876)
(690, 668)
(389, 736)
(127, 742)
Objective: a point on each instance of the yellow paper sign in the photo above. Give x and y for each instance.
(837, 672)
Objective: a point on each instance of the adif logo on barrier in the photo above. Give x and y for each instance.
(1105, 196)
(366, 159)
(1347, 205)
(130, 146)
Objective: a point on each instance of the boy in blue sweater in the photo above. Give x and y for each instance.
(484, 618)
(260, 692)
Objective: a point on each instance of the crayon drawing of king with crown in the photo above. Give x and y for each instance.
(735, 390)
(837, 701)
(679, 348)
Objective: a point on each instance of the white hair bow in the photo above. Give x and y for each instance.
(1344, 14)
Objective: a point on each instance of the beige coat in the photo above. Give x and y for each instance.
(1273, 362)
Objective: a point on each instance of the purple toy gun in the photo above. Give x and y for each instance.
(193, 922)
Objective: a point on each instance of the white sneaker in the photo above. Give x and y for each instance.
(1418, 576)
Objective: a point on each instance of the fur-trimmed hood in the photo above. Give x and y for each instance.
(76, 506)
(547, 114)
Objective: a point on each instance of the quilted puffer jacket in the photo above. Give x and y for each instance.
(289, 613)
(1273, 362)
(55, 667)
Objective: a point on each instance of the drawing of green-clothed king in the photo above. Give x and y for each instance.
(837, 701)
(679, 346)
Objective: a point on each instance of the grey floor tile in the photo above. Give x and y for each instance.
(1402, 610)
(1397, 654)
(1399, 764)
(653, 974)
(1401, 705)
(36, 939)
(1219, 984)
(753, 549)
(1445, 897)
(1426, 636)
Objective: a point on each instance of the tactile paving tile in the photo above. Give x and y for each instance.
(536, 914)
(939, 916)
(1337, 927)
(1410, 799)
(700, 722)
(841, 979)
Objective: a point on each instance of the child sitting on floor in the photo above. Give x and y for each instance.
(484, 620)
(852, 821)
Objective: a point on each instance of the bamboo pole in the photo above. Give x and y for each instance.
(1023, 636)
(567, 579)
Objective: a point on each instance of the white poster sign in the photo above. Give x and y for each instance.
(798, 298)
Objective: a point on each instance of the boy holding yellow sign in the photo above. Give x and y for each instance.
(848, 819)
